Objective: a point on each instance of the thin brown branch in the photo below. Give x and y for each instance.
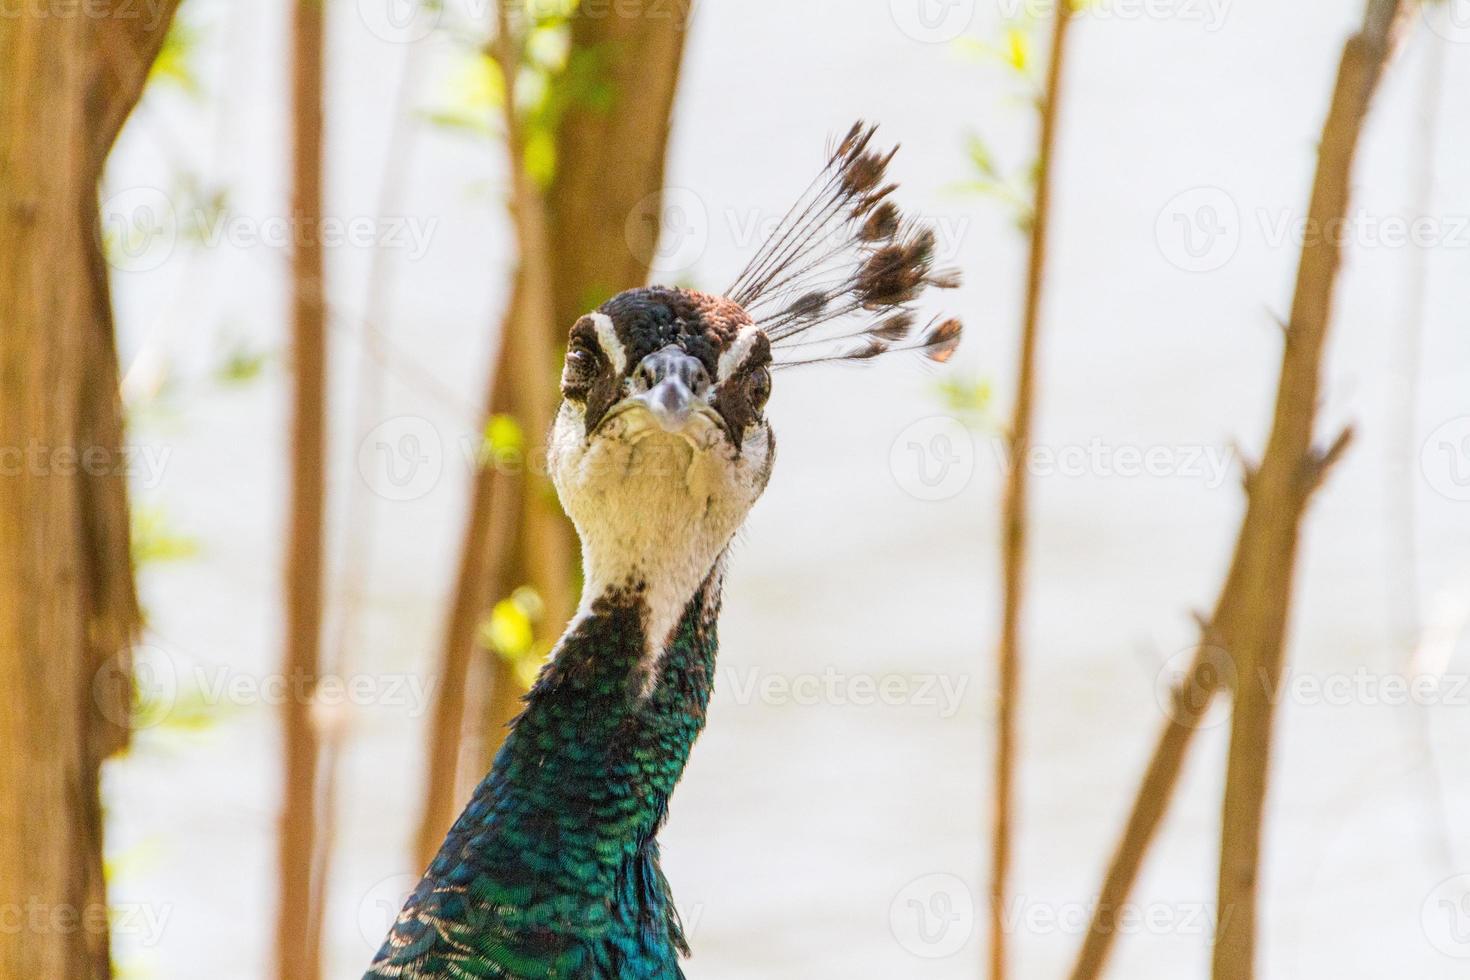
(1189, 699)
(546, 547)
(488, 541)
(1249, 621)
(1281, 497)
(297, 956)
(1016, 505)
(357, 559)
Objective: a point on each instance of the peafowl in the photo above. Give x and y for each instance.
(658, 450)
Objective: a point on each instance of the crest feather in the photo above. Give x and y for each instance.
(841, 274)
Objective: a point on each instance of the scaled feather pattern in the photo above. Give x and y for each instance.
(552, 870)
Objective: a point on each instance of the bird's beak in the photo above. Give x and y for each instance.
(676, 388)
(670, 402)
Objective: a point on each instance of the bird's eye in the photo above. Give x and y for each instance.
(581, 368)
(760, 388)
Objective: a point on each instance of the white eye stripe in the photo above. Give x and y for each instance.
(607, 339)
(732, 359)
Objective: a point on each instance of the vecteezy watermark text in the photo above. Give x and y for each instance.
(1208, 464)
(150, 12)
(933, 917)
(934, 459)
(165, 683)
(1201, 229)
(140, 922)
(142, 226)
(143, 464)
(1209, 13)
(941, 692)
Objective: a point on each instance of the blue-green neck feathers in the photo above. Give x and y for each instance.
(552, 870)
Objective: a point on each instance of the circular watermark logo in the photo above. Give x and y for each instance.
(933, 459)
(934, 916)
(1185, 694)
(151, 678)
(932, 21)
(668, 231)
(139, 229)
(402, 458)
(1445, 459)
(1198, 230)
(400, 21)
(379, 908)
(1450, 19)
(1445, 917)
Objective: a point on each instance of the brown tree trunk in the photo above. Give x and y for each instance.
(573, 254)
(68, 610)
(610, 168)
(48, 790)
(297, 954)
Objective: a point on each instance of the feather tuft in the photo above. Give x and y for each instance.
(895, 328)
(940, 341)
(809, 304)
(863, 172)
(846, 265)
(882, 223)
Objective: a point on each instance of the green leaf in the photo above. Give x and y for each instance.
(476, 124)
(504, 437)
(510, 632)
(154, 541)
(174, 61)
(1018, 49)
(981, 156)
(549, 46)
(540, 157)
(241, 363)
(473, 96)
(969, 400)
(479, 82)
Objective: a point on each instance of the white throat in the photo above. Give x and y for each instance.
(654, 514)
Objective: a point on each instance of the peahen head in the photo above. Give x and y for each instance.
(661, 444)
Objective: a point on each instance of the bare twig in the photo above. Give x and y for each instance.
(357, 560)
(489, 540)
(297, 958)
(1290, 470)
(1249, 620)
(1015, 506)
